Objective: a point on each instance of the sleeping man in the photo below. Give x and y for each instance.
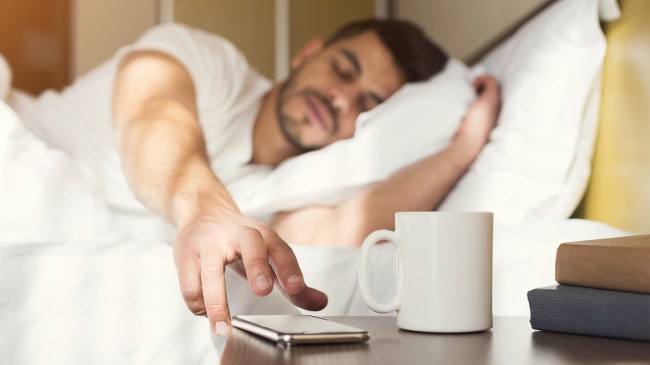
(189, 116)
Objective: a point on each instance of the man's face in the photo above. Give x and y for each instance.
(322, 98)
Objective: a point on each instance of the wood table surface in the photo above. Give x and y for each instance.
(510, 341)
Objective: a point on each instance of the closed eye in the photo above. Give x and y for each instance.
(368, 102)
(343, 74)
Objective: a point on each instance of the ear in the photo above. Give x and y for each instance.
(309, 49)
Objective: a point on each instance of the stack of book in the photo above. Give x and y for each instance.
(603, 290)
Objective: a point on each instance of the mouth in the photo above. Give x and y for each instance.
(318, 112)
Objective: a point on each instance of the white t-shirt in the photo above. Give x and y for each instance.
(78, 121)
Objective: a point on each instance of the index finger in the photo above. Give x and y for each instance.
(213, 282)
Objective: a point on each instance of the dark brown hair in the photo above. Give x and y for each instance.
(415, 54)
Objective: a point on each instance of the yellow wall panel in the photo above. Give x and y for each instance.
(619, 193)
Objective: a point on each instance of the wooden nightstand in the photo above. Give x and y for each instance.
(511, 341)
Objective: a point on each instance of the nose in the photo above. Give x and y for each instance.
(343, 99)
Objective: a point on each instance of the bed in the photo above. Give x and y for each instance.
(115, 299)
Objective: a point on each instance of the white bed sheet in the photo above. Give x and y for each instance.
(119, 302)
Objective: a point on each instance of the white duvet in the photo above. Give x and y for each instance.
(74, 291)
(38, 183)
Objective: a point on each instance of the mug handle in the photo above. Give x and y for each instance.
(364, 280)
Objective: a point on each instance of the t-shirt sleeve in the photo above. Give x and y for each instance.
(217, 68)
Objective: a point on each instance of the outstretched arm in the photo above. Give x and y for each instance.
(165, 161)
(418, 187)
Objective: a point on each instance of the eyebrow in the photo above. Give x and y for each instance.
(354, 60)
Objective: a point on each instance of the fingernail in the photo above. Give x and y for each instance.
(294, 279)
(221, 328)
(262, 282)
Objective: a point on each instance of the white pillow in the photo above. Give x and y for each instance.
(536, 165)
(418, 120)
(5, 78)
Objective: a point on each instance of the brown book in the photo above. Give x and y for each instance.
(621, 263)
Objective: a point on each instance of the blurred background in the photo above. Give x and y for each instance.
(50, 42)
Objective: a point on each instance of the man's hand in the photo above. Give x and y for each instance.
(209, 242)
(481, 117)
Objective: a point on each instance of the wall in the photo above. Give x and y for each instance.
(322, 17)
(464, 27)
(249, 24)
(100, 27)
(53, 53)
(34, 39)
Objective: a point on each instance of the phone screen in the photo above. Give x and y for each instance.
(297, 324)
(292, 329)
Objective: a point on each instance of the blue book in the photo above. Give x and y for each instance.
(588, 311)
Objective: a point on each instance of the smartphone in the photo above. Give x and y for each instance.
(296, 329)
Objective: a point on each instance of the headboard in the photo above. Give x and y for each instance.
(619, 190)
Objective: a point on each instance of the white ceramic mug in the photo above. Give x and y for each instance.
(444, 271)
